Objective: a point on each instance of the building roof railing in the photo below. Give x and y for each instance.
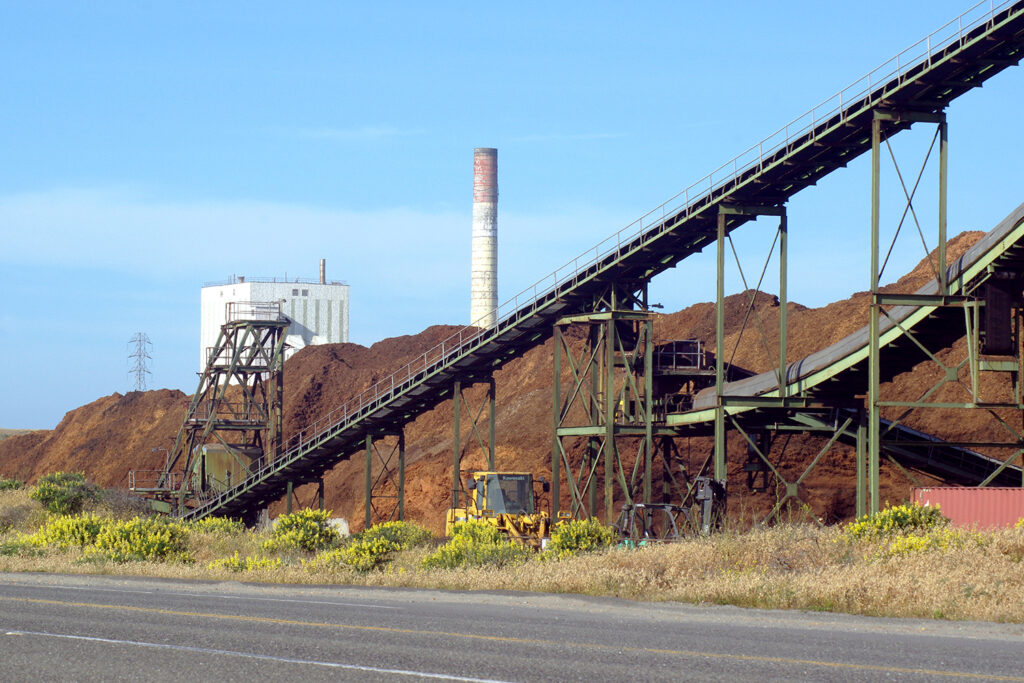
(234, 280)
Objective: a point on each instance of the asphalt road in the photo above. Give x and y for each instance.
(79, 628)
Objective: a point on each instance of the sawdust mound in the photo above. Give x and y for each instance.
(116, 433)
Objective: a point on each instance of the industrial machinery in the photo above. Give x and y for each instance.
(644, 523)
(508, 501)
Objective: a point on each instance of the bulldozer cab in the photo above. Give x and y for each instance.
(502, 492)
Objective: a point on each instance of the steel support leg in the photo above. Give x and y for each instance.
(783, 300)
(490, 424)
(401, 475)
(556, 417)
(367, 519)
(943, 162)
(609, 422)
(648, 455)
(720, 463)
(874, 425)
(457, 444)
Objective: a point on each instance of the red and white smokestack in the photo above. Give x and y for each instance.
(484, 270)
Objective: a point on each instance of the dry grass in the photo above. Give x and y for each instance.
(18, 512)
(786, 567)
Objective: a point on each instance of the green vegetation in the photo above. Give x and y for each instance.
(374, 548)
(67, 531)
(218, 525)
(306, 530)
(579, 536)
(152, 539)
(250, 563)
(474, 544)
(11, 484)
(901, 519)
(65, 492)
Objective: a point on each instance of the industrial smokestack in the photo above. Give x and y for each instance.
(323, 271)
(484, 269)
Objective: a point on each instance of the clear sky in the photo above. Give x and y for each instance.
(147, 148)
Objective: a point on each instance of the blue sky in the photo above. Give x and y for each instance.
(148, 148)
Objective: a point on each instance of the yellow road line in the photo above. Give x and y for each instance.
(518, 641)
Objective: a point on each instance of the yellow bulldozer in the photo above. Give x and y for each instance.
(506, 500)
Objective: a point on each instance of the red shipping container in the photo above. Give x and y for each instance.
(981, 508)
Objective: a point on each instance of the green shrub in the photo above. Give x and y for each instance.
(18, 547)
(218, 525)
(475, 543)
(68, 531)
(403, 534)
(579, 536)
(65, 493)
(941, 538)
(367, 554)
(373, 548)
(236, 563)
(303, 530)
(140, 539)
(901, 519)
(10, 484)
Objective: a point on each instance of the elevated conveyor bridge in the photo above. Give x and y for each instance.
(924, 79)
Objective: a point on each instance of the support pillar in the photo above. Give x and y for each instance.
(861, 503)
(367, 519)
(879, 119)
(874, 431)
(556, 417)
(720, 471)
(457, 443)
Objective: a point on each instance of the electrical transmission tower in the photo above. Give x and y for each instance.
(139, 358)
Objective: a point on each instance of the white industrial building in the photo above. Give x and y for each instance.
(317, 309)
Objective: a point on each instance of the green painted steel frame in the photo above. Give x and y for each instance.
(391, 470)
(460, 406)
(612, 389)
(721, 472)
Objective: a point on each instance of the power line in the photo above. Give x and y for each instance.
(139, 359)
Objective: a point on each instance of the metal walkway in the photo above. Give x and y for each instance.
(924, 78)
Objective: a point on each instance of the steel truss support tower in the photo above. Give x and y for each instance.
(484, 442)
(608, 403)
(234, 421)
(726, 213)
(384, 506)
(989, 317)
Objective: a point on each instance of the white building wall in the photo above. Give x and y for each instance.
(318, 312)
